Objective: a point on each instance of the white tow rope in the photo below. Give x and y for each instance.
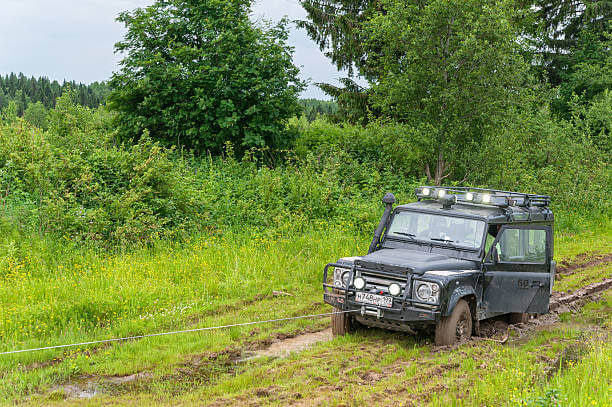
(174, 332)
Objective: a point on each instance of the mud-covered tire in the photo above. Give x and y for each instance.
(455, 327)
(518, 318)
(341, 322)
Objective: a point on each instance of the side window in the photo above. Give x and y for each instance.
(522, 246)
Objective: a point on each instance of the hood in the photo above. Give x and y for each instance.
(418, 262)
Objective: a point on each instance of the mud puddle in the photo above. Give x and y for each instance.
(88, 387)
(285, 347)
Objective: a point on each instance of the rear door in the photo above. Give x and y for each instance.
(517, 270)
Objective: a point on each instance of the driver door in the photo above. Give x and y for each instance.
(517, 268)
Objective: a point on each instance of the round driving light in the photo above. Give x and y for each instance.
(345, 277)
(441, 193)
(486, 198)
(434, 288)
(394, 289)
(469, 196)
(424, 291)
(359, 283)
(425, 191)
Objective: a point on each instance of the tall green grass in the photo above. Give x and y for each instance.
(91, 295)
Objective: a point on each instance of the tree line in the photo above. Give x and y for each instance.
(315, 108)
(23, 91)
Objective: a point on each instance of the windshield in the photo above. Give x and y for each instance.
(437, 228)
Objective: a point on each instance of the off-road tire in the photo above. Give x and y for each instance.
(455, 327)
(341, 322)
(518, 318)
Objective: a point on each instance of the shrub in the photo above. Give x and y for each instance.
(78, 183)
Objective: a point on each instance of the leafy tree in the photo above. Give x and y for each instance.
(588, 74)
(36, 114)
(3, 98)
(200, 73)
(9, 113)
(557, 27)
(451, 67)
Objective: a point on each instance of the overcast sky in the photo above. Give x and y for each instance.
(73, 39)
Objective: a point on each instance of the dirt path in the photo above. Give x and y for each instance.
(284, 348)
(281, 346)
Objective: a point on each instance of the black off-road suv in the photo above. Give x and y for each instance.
(455, 257)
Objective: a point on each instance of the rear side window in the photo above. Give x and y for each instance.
(522, 246)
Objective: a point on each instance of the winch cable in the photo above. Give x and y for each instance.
(209, 328)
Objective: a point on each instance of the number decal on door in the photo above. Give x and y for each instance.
(523, 283)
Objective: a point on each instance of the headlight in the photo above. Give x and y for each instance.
(359, 283)
(341, 277)
(426, 291)
(394, 289)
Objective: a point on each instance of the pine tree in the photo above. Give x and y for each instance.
(557, 25)
(335, 25)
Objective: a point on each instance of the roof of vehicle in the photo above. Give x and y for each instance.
(492, 214)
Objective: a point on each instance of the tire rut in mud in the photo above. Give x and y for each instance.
(581, 262)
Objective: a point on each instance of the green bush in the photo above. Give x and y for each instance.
(75, 181)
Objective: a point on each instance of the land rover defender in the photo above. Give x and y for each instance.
(451, 259)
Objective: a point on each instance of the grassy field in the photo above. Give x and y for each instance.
(212, 280)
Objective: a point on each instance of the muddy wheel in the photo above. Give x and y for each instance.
(518, 318)
(341, 323)
(455, 327)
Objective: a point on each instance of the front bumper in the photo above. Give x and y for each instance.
(404, 310)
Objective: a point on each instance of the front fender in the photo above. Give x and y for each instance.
(456, 295)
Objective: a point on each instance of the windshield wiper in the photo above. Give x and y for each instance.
(442, 240)
(411, 235)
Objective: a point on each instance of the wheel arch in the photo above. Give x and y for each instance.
(465, 292)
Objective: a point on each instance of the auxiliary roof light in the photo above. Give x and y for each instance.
(469, 196)
(441, 193)
(486, 198)
(425, 191)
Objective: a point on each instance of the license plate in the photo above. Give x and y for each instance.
(373, 299)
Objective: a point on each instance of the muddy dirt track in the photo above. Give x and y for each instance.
(232, 360)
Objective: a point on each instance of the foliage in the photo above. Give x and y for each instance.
(593, 122)
(25, 91)
(388, 148)
(336, 26)
(75, 182)
(200, 73)
(36, 114)
(451, 67)
(557, 27)
(314, 108)
(588, 72)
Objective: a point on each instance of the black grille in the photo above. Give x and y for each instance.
(377, 280)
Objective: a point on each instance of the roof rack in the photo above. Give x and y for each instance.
(482, 196)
